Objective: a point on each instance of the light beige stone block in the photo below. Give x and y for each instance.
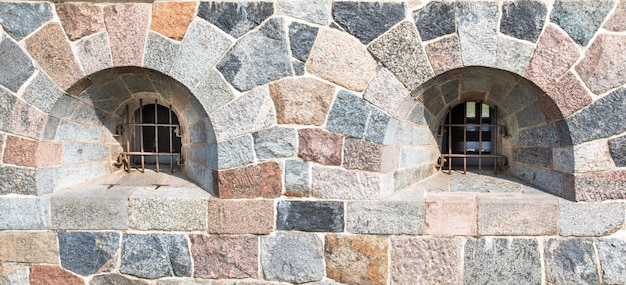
(168, 209)
(451, 213)
(517, 214)
(29, 247)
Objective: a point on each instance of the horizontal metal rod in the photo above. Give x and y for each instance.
(151, 125)
(150, 153)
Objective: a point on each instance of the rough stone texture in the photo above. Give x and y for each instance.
(612, 253)
(314, 11)
(21, 19)
(94, 53)
(617, 21)
(530, 116)
(248, 113)
(583, 219)
(77, 152)
(426, 260)
(18, 180)
(571, 261)
(278, 261)
(29, 247)
(127, 26)
(259, 180)
(601, 186)
(7, 101)
(517, 214)
(42, 93)
(154, 256)
(80, 19)
(297, 176)
(46, 274)
(270, 61)
(387, 92)
(357, 259)
(617, 147)
(241, 216)
(303, 101)
(275, 143)
(17, 66)
(116, 279)
(381, 127)
(385, 217)
(340, 58)
(444, 54)
(367, 20)
(234, 18)
(537, 156)
(400, 50)
(602, 69)
(167, 210)
(502, 260)
(592, 157)
(369, 156)
(171, 19)
(106, 209)
(202, 47)
(435, 19)
(602, 119)
(581, 19)
(87, 253)
(213, 92)
(160, 52)
(224, 256)
(24, 213)
(348, 115)
(301, 39)
(451, 214)
(77, 173)
(310, 216)
(569, 94)
(513, 55)
(320, 146)
(14, 275)
(523, 19)
(477, 26)
(24, 152)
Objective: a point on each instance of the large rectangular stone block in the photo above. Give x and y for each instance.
(168, 209)
(240, 216)
(24, 212)
(590, 219)
(426, 260)
(385, 217)
(259, 180)
(335, 183)
(29, 247)
(311, 216)
(357, 259)
(90, 209)
(517, 214)
(451, 214)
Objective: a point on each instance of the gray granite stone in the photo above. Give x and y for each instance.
(77, 173)
(310, 216)
(21, 19)
(168, 209)
(87, 253)
(367, 20)
(24, 213)
(15, 275)
(235, 18)
(519, 97)
(94, 53)
(612, 254)
(87, 114)
(385, 217)
(513, 55)
(589, 219)
(297, 177)
(617, 147)
(75, 153)
(545, 179)
(42, 92)
(7, 100)
(531, 116)
(275, 143)
(161, 52)
(450, 90)
(137, 82)
(213, 92)
(202, 47)
(155, 256)
(523, 19)
(234, 152)
(314, 11)
(571, 261)
(76, 132)
(95, 96)
(502, 261)
(117, 89)
(386, 92)
(409, 176)
(18, 180)
(580, 19)
(380, 127)
(278, 261)
(89, 209)
(202, 174)
(348, 115)
(545, 135)
(537, 156)
(259, 57)
(435, 19)
(301, 39)
(604, 118)
(477, 26)
(407, 134)
(108, 279)
(16, 64)
(298, 67)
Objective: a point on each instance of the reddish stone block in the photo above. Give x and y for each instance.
(260, 180)
(357, 259)
(451, 214)
(29, 153)
(241, 216)
(617, 21)
(225, 256)
(301, 100)
(320, 146)
(444, 54)
(127, 25)
(426, 260)
(171, 19)
(601, 186)
(52, 51)
(602, 69)
(52, 275)
(80, 19)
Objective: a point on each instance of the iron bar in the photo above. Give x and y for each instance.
(143, 167)
(169, 112)
(156, 135)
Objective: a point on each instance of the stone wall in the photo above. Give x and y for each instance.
(310, 132)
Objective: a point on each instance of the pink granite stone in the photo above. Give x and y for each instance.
(301, 100)
(260, 180)
(569, 94)
(426, 260)
(127, 25)
(617, 21)
(444, 54)
(604, 65)
(228, 216)
(80, 19)
(357, 259)
(225, 256)
(451, 214)
(171, 19)
(320, 146)
(47, 275)
(29, 153)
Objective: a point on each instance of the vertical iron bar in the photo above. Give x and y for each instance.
(494, 135)
(171, 143)
(480, 136)
(127, 134)
(465, 138)
(143, 168)
(156, 135)
(449, 140)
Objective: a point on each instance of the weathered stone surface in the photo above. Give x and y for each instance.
(42, 93)
(606, 112)
(340, 58)
(530, 116)
(523, 19)
(451, 214)
(259, 180)
(106, 209)
(381, 127)
(248, 113)
(385, 217)
(554, 55)
(513, 55)
(367, 20)
(569, 94)
(202, 47)
(546, 135)
(357, 259)
(310, 216)
(213, 92)
(275, 143)
(348, 115)
(617, 147)
(612, 253)
(582, 219)
(232, 153)
(7, 100)
(72, 131)
(80, 19)
(599, 186)
(77, 152)
(47, 274)
(241, 216)
(234, 18)
(278, 261)
(617, 20)
(154, 256)
(444, 54)
(24, 152)
(160, 52)
(18, 180)
(477, 26)
(94, 53)
(537, 156)
(17, 66)
(369, 156)
(167, 210)
(580, 19)
(314, 11)
(303, 101)
(77, 173)
(602, 69)
(21, 19)
(502, 260)
(592, 157)
(517, 214)
(387, 92)
(224, 256)
(301, 39)
(127, 26)
(171, 19)
(331, 183)
(87, 253)
(417, 155)
(14, 275)
(435, 19)
(571, 261)
(297, 178)
(426, 260)
(29, 247)
(106, 279)
(320, 146)
(24, 213)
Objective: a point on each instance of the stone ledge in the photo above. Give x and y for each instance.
(90, 209)
(168, 209)
(517, 214)
(385, 217)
